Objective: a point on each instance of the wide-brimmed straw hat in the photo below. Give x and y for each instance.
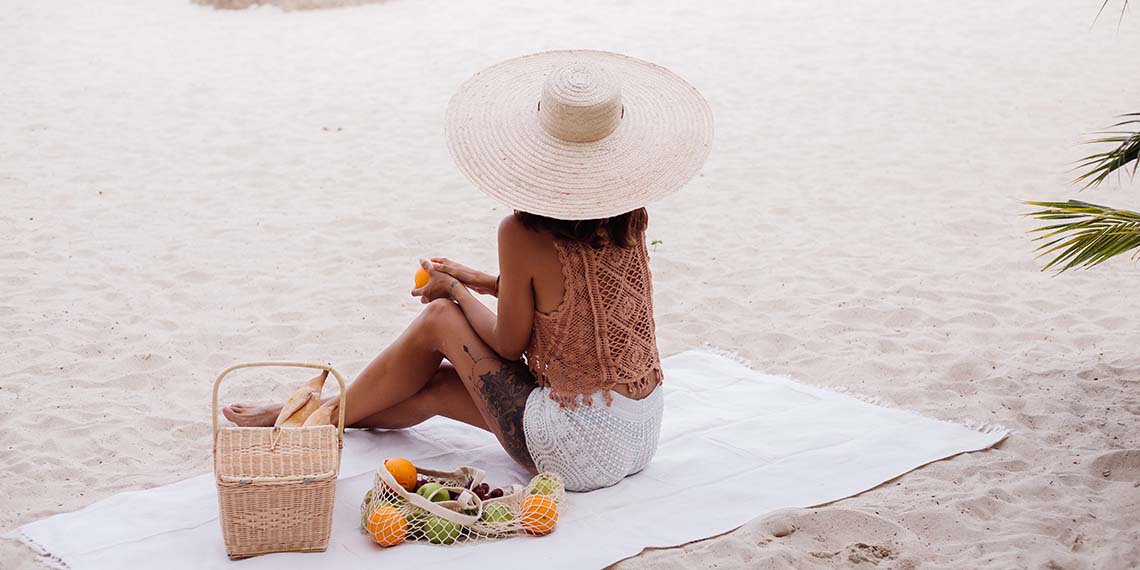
(578, 134)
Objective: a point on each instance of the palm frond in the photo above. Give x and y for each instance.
(1102, 164)
(1123, 9)
(1085, 234)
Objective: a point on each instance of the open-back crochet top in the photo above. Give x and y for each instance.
(602, 334)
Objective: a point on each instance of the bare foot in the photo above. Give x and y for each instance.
(246, 415)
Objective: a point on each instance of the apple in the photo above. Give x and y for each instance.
(542, 485)
(429, 491)
(416, 520)
(497, 513)
(441, 531)
(365, 508)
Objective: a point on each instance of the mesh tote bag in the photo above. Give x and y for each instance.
(450, 513)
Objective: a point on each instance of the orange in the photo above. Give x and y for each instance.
(422, 277)
(388, 526)
(538, 514)
(403, 471)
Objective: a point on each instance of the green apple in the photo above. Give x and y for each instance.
(426, 491)
(497, 513)
(542, 485)
(441, 531)
(365, 509)
(416, 519)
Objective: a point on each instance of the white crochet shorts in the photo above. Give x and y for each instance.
(592, 446)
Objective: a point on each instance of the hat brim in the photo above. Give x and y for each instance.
(495, 138)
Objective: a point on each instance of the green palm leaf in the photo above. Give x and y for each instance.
(1123, 9)
(1085, 234)
(1102, 164)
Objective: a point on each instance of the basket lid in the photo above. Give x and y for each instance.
(245, 454)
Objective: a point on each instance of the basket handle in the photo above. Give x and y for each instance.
(339, 379)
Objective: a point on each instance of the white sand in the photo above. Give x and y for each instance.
(184, 188)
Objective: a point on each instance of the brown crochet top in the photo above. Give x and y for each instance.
(602, 333)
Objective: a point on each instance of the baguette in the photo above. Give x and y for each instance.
(323, 415)
(302, 403)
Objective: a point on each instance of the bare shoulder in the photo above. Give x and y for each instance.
(514, 235)
(511, 227)
(521, 246)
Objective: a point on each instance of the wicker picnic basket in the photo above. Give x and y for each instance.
(276, 485)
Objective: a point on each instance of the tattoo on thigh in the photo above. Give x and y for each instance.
(505, 391)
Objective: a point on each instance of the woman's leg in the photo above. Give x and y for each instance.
(395, 375)
(443, 395)
(497, 388)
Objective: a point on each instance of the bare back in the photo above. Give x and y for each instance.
(546, 279)
(549, 288)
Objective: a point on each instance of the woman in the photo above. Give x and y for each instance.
(567, 373)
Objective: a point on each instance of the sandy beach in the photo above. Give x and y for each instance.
(184, 188)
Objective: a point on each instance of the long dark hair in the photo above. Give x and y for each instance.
(619, 230)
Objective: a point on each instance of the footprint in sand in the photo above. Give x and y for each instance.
(837, 538)
(794, 539)
(1120, 465)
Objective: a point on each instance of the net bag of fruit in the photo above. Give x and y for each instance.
(457, 506)
(276, 485)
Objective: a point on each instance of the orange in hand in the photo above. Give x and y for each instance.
(421, 277)
(388, 526)
(538, 514)
(403, 471)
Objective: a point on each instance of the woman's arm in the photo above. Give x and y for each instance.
(482, 283)
(509, 331)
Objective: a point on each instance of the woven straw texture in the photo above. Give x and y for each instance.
(276, 486)
(602, 334)
(392, 515)
(245, 454)
(578, 134)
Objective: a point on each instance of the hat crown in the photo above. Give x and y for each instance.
(581, 102)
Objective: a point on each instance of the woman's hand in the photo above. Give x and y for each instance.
(477, 281)
(439, 286)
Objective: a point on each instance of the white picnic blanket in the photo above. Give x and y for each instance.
(735, 444)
